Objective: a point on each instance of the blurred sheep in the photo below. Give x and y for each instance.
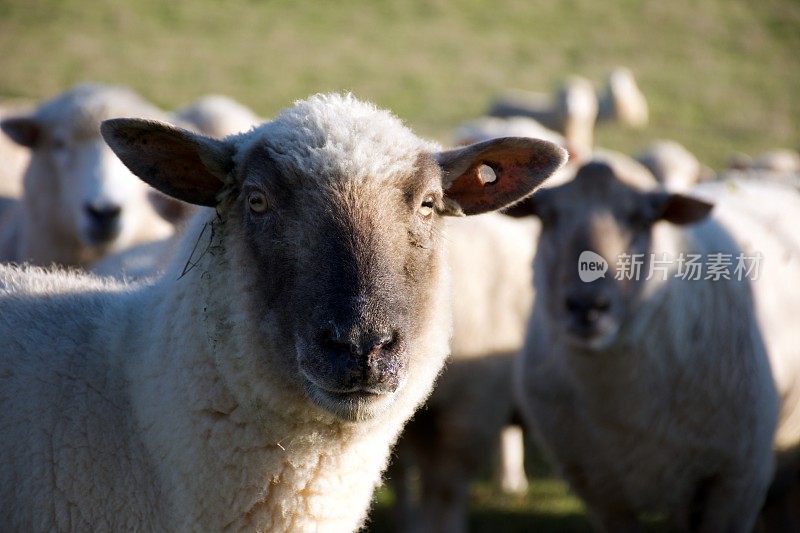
(572, 111)
(675, 167)
(217, 116)
(658, 393)
(622, 101)
(79, 202)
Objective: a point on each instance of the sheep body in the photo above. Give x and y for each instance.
(672, 165)
(180, 403)
(679, 412)
(218, 116)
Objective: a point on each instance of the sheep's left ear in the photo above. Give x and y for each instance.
(520, 165)
(181, 164)
(679, 208)
(24, 131)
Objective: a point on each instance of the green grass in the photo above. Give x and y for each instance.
(720, 75)
(548, 506)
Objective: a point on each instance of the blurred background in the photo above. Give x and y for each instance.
(720, 76)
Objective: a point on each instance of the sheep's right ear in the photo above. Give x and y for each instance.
(519, 164)
(530, 206)
(24, 131)
(177, 162)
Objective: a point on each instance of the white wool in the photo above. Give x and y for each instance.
(218, 116)
(674, 166)
(49, 223)
(319, 139)
(697, 370)
(490, 257)
(152, 407)
(13, 160)
(487, 128)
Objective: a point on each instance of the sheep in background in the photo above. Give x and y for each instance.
(781, 161)
(486, 128)
(259, 383)
(572, 112)
(778, 161)
(217, 116)
(13, 160)
(622, 101)
(657, 394)
(458, 429)
(79, 201)
(675, 167)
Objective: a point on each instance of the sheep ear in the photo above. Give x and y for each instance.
(519, 164)
(181, 164)
(679, 208)
(530, 206)
(24, 131)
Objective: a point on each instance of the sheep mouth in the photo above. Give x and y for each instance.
(356, 404)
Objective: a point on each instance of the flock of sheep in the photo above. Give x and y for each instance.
(208, 321)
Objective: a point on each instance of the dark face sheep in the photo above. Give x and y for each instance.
(610, 214)
(336, 225)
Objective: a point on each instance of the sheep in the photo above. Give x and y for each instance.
(673, 165)
(486, 128)
(258, 383)
(217, 116)
(622, 100)
(454, 435)
(572, 112)
(79, 202)
(656, 393)
(13, 160)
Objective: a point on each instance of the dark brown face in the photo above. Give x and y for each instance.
(335, 231)
(596, 220)
(346, 271)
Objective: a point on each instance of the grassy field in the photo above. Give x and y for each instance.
(721, 75)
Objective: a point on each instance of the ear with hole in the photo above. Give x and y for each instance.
(24, 131)
(181, 164)
(679, 209)
(519, 165)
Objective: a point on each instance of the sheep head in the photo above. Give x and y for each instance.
(598, 219)
(337, 208)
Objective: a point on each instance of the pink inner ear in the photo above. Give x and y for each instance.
(511, 171)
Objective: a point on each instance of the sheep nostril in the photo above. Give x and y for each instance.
(103, 214)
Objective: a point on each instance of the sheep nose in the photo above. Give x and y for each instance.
(587, 308)
(359, 345)
(104, 222)
(103, 214)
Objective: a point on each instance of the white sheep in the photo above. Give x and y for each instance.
(260, 382)
(622, 100)
(454, 436)
(217, 116)
(486, 128)
(79, 201)
(572, 111)
(13, 160)
(655, 392)
(675, 167)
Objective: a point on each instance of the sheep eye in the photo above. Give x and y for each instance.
(257, 202)
(426, 209)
